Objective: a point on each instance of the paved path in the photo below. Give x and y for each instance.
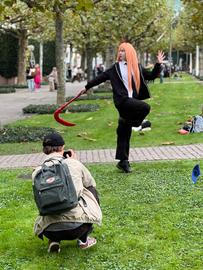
(11, 104)
(142, 154)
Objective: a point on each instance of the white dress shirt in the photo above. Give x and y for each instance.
(124, 75)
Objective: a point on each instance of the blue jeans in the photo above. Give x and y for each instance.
(30, 84)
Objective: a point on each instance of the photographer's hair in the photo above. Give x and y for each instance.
(51, 149)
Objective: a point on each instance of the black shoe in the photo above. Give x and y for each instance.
(124, 166)
(146, 124)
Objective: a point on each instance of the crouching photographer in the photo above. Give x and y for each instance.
(66, 196)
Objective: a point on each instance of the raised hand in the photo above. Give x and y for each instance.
(160, 57)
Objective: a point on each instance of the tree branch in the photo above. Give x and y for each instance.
(13, 32)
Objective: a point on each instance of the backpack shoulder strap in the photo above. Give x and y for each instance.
(59, 159)
(193, 124)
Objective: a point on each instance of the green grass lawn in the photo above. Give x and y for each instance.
(152, 219)
(171, 105)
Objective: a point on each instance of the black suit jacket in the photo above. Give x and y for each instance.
(120, 93)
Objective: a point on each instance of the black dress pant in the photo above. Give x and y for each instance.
(132, 112)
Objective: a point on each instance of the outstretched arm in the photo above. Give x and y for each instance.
(98, 80)
(151, 75)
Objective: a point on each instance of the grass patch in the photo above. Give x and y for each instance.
(171, 105)
(152, 219)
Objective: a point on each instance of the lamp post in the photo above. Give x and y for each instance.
(32, 57)
(170, 50)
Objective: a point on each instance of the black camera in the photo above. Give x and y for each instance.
(67, 154)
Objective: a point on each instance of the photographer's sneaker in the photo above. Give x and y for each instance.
(54, 247)
(91, 241)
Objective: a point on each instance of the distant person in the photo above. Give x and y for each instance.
(30, 73)
(37, 77)
(80, 74)
(161, 75)
(76, 223)
(69, 73)
(74, 74)
(53, 80)
(100, 69)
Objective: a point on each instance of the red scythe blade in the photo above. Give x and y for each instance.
(60, 109)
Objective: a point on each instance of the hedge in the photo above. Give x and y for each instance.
(23, 134)
(83, 108)
(40, 109)
(103, 89)
(50, 109)
(6, 90)
(91, 97)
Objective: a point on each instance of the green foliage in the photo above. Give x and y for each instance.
(23, 134)
(50, 109)
(40, 109)
(91, 97)
(14, 86)
(49, 60)
(152, 219)
(83, 108)
(19, 86)
(8, 55)
(190, 29)
(148, 19)
(4, 90)
(103, 89)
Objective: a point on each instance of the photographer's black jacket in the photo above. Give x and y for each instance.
(120, 93)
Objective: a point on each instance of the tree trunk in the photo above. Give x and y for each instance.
(201, 63)
(109, 60)
(60, 57)
(41, 58)
(110, 56)
(89, 62)
(83, 58)
(22, 57)
(89, 66)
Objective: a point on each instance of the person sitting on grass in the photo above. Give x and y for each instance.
(76, 223)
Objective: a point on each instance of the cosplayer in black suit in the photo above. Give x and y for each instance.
(127, 79)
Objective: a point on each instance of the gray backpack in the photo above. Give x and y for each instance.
(53, 188)
(197, 124)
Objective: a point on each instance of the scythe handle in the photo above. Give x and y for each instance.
(60, 109)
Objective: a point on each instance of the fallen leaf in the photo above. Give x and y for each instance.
(82, 134)
(168, 143)
(90, 118)
(89, 139)
(110, 124)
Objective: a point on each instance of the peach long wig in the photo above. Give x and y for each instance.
(132, 64)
